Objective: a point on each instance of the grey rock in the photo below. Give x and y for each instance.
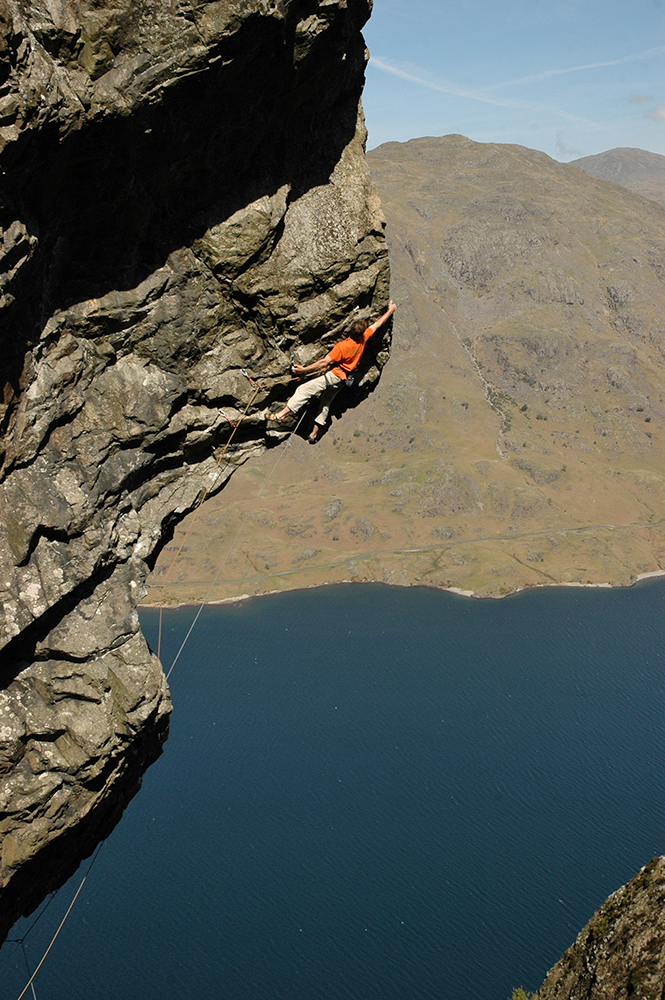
(184, 198)
(620, 954)
(362, 528)
(332, 508)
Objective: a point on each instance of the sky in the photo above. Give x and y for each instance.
(569, 77)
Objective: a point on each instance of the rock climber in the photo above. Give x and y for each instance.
(343, 358)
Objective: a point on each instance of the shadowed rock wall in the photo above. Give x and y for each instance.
(183, 195)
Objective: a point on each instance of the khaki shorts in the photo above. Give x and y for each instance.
(327, 385)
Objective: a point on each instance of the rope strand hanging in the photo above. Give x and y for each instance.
(60, 926)
(204, 495)
(257, 389)
(27, 965)
(230, 550)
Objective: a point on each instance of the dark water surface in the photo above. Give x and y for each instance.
(372, 792)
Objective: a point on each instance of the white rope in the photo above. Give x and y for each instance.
(29, 984)
(27, 965)
(199, 504)
(232, 546)
(62, 923)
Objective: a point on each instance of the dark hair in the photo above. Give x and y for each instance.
(357, 329)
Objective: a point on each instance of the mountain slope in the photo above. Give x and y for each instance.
(636, 169)
(516, 437)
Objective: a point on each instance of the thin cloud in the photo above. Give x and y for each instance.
(658, 113)
(477, 95)
(564, 150)
(640, 98)
(547, 73)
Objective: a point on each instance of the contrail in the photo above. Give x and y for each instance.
(478, 95)
(547, 73)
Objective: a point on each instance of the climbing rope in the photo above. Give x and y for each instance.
(230, 550)
(21, 941)
(27, 965)
(257, 389)
(204, 495)
(36, 920)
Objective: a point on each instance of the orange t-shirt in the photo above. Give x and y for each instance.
(346, 355)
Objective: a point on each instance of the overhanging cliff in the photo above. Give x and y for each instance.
(183, 195)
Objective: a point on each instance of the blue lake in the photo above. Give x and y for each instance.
(377, 794)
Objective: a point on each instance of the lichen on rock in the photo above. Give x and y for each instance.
(183, 197)
(620, 954)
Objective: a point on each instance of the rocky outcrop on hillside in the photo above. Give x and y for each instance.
(183, 199)
(620, 954)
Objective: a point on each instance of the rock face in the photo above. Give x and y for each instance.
(183, 196)
(620, 954)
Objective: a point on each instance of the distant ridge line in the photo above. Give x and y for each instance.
(638, 170)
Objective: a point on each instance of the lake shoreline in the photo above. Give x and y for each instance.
(652, 574)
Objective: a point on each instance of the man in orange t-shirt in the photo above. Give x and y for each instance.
(337, 366)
